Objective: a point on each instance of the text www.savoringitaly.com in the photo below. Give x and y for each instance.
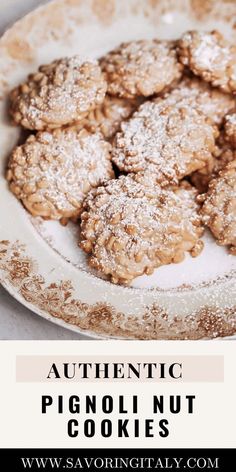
(101, 463)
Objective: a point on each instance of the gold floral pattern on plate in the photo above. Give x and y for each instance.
(80, 301)
(57, 299)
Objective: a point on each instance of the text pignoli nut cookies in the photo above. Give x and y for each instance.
(210, 56)
(141, 68)
(53, 171)
(58, 94)
(130, 226)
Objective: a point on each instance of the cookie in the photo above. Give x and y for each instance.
(108, 117)
(170, 138)
(130, 226)
(212, 102)
(230, 128)
(58, 94)
(201, 179)
(210, 56)
(53, 171)
(224, 154)
(219, 207)
(141, 68)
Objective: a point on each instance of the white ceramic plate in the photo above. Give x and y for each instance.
(40, 263)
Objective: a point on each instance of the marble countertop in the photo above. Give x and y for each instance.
(16, 321)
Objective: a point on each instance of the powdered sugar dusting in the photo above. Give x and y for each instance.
(52, 172)
(108, 117)
(210, 56)
(195, 93)
(230, 129)
(212, 264)
(219, 209)
(58, 94)
(96, 40)
(173, 141)
(130, 226)
(141, 68)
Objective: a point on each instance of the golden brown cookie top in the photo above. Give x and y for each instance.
(219, 207)
(230, 128)
(141, 68)
(108, 117)
(167, 137)
(212, 102)
(58, 94)
(210, 56)
(201, 178)
(130, 226)
(53, 171)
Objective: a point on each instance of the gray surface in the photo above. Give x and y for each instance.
(16, 321)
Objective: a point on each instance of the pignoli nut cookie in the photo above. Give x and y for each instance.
(130, 226)
(170, 138)
(219, 207)
(230, 128)
(212, 102)
(201, 178)
(53, 171)
(108, 117)
(141, 68)
(210, 56)
(58, 94)
(223, 155)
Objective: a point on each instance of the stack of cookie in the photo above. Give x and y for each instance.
(139, 148)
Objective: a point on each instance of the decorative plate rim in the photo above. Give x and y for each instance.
(152, 318)
(102, 319)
